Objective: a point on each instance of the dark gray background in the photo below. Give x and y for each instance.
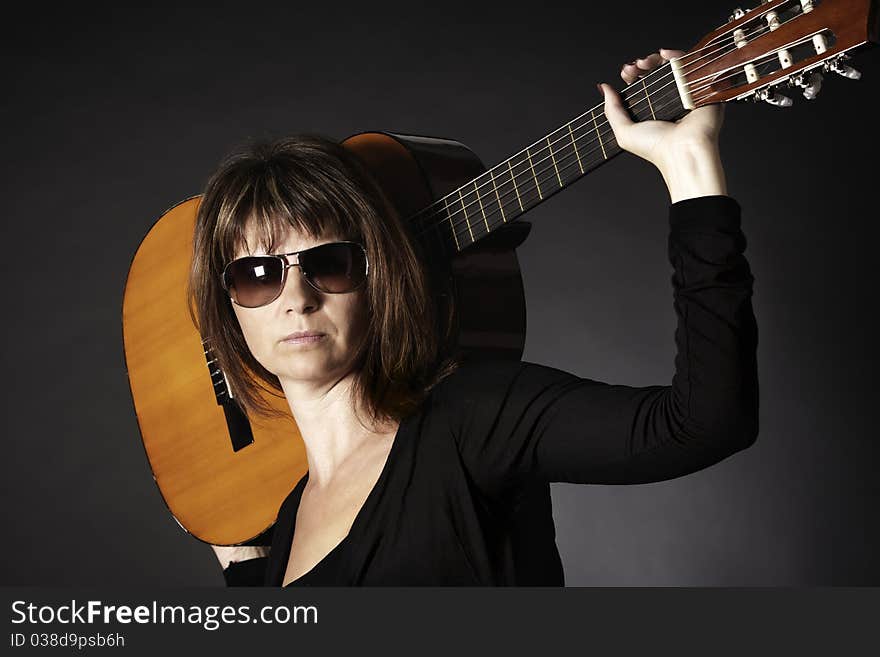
(114, 113)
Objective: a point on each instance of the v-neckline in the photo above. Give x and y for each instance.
(362, 512)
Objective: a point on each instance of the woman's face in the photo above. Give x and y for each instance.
(341, 319)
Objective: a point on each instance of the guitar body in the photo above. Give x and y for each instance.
(223, 475)
(483, 282)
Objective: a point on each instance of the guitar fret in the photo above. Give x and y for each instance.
(515, 187)
(648, 98)
(451, 225)
(466, 218)
(497, 197)
(482, 210)
(574, 146)
(553, 157)
(596, 128)
(532, 166)
(537, 184)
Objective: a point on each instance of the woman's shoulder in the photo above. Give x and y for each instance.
(485, 379)
(475, 374)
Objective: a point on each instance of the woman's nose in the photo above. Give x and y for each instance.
(298, 296)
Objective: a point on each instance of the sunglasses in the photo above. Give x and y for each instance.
(333, 268)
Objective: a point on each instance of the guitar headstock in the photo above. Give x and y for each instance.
(790, 42)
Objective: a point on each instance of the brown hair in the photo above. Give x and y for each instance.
(320, 188)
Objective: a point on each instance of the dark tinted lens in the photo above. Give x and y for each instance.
(255, 280)
(335, 268)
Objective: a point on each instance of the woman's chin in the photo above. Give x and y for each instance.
(319, 372)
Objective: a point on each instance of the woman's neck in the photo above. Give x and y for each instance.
(332, 431)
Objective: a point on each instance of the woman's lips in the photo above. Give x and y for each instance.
(304, 337)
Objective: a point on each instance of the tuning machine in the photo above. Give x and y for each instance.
(836, 64)
(770, 96)
(811, 85)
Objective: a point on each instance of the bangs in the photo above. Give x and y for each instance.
(264, 202)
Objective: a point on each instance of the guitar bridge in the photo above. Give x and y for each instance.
(240, 433)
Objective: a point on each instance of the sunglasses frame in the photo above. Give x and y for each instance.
(286, 264)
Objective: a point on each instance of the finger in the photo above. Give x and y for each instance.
(649, 63)
(669, 53)
(633, 70)
(615, 112)
(630, 72)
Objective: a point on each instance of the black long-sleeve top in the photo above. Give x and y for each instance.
(464, 495)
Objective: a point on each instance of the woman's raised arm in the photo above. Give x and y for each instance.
(514, 422)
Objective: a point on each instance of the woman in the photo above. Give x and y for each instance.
(428, 472)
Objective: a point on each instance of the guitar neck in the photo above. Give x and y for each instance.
(510, 189)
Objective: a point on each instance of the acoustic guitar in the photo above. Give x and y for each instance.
(222, 474)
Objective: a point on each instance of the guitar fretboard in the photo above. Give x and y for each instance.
(516, 185)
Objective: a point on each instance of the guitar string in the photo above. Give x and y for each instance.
(790, 44)
(767, 59)
(507, 188)
(754, 60)
(589, 125)
(661, 69)
(580, 153)
(572, 159)
(760, 69)
(564, 163)
(526, 197)
(442, 219)
(508, 192)
(437, 213)
(708, 80)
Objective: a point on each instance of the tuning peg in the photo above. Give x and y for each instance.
(773, 98)
(840, 68)
(812, 86)
(846, 71)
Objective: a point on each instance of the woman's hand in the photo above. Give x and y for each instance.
(685, 152)
(227, 554)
